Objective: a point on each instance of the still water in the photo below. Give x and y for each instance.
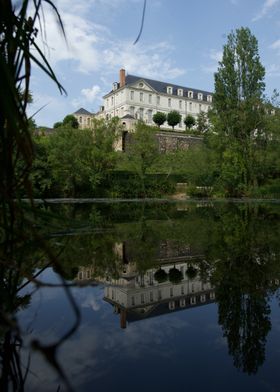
(170, 296)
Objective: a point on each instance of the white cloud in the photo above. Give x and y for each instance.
(90, 94)
(215, 56)
(273, 70)
(266, 8)
(276, 45)
(153, 60)
(91, 47)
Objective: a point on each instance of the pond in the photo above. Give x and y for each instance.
(145, 296)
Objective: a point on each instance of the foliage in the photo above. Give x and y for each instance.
(189, 121)
(18, 51)
(143, 151)
(70, 121)
(57, 124)
(173, 118)
(80, 159)
(202, 122)
(159, 118)
(238, 112)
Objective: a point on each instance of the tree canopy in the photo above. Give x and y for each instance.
(159, 118)
(173, 118)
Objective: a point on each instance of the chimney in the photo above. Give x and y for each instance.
(123, 318)
(122, 77)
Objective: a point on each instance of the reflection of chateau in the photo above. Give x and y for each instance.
(137, 295)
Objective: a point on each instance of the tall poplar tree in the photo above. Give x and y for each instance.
(238, 112)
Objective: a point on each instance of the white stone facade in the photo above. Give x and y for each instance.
(141, 98)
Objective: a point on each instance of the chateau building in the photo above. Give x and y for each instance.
(137, 98)
(84, 118)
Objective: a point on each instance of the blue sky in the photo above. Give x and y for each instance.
(182, 42)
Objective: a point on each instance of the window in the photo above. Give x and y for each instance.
(182, 290)
(132, 111)
(193, 300)
(159, 294)
(141, 97)
(151, 296)
(80, 120)
(212, 295)
(132, 301)
(180, 92)
(171, 305)
(112, 100)
(190, 106)
(200, 96)
(209, 98)
(150, 98)
(190, 94)
(169, 90)
(141, 113)
(150, 115)
(141, 84)
(88, 121)
(200, 107)
(202, 298)
(180, 104)
(142, 298)
(171, 291)
(132, 95)
(158, 100)
(169, 102)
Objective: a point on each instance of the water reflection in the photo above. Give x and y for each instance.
(136, 296)
(167, 261)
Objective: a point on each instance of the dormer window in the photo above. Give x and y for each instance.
(169, 90)
(200, 96)
(141, 85)
(190, 94)
(209, 98)
(115, 86)
(180, 92)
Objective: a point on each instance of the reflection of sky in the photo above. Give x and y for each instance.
(177, 351)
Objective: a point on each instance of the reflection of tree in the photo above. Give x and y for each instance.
(245, 322)
(160, 276)
(244, 263)
(175, 276)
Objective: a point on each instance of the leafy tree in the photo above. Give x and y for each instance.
(173, 118)
(238, 111)
(80, 159)
(70, 121)
(143, 151)
(159, 118)
(202, 122)
(57, 124)
(189, 121)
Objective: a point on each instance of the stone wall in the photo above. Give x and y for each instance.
(172, 141)
(169, 141)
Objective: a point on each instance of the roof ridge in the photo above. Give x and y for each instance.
(169, 84)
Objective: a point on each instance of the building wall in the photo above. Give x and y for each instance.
(143, 103)
(84, 120)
